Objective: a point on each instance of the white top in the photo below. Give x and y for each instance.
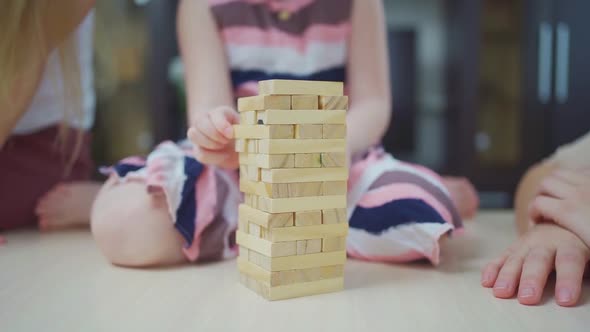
(47, 107)
(574, 155)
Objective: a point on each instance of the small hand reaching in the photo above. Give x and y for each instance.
(525, 267)
(212, 134)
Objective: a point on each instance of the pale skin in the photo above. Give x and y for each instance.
(552, 214)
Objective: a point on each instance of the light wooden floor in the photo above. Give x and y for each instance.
(59, 282)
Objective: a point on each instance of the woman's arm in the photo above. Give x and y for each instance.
(368, 71)
(207, 78)
(59, 19)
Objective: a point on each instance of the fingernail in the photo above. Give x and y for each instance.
(564, 295)
(487, 277)
(501, 284)
(526, 292)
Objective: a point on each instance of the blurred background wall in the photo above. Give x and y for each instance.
(481, 88)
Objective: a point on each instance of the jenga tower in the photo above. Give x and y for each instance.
(293, 172)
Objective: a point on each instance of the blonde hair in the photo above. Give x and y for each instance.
(22, 43)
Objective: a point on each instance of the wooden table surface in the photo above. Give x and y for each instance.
(60, 282)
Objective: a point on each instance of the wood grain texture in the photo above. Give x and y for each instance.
(294, 87)
(260, 103)
(334, 159)
(289, 146)
(333, 102)
(308, 218)
(264, 131)
(308, 131)
(304, 102)
(304, 175)
(271, 117)
(268, 160)
(334, 131)
(296, 204)
(308, 160)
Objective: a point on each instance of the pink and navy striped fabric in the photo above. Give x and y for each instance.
(270, 39)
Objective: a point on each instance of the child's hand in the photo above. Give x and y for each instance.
(212, 134)
(527, 264)
(565, 200)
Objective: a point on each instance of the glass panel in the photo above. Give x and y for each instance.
(499, 122)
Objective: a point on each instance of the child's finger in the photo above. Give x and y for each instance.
(507, 280)
(490, 272)
(223, 121)
(555, 187)
(208, 129)
(544, 207)
(535, 271)
(204, 141)
(569, 264)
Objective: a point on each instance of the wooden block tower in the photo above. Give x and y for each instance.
(293, 172)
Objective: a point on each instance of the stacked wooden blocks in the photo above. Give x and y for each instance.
(293, 172)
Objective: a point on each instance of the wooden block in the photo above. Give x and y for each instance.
(254, 230)
(267, 248)
(243, 171)
(253, 173)
(303, 102)
(282, 190)
(305, 247)
(251, 200)
(334, 216)
(296, 276)
(288, 277)
(334, 131)
(271, 117)
(308, 160)
(332, 271)
(248, 118)
(287, 175)
(243, 225)
(333, 102)
(264, 219)
(332, 244)
(268, 160)
(297, 261)
(289, 146)
(331, 188)
(264, 131)
(243, 253)
(308, 218)
(252, 145)
(294, 290)
(296, 204)
(261, 260)
(294, 87)
(333, 159)
(299, 233)
(240, 145)
(260, 103)
(308, 131)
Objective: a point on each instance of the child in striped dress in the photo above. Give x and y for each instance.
(186, 195)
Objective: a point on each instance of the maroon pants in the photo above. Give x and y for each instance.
(30, 165)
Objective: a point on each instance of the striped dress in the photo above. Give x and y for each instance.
(397, 211)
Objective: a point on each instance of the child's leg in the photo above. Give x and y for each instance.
(463, 194)
(133, 228)
(526, 192)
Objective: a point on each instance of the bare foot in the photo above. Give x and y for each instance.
(67, 205)
(463, 194)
